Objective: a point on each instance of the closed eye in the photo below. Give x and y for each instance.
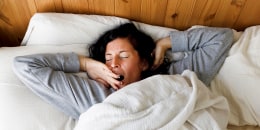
(124, 55)
(108, 57)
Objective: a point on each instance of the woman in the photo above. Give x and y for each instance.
(126, 51)
(121, 52)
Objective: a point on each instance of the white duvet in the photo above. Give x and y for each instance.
(239, 79)
(167, 102)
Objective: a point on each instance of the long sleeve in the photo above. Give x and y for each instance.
(53, 78)
(204, 49)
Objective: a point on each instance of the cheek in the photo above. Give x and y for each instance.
(134, 66)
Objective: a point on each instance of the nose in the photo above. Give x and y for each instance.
(115, 63)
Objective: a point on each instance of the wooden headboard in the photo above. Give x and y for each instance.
(179, 14)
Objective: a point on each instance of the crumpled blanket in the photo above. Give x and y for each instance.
(165, 102)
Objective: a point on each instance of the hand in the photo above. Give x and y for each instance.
(162, 46)
(100, 72)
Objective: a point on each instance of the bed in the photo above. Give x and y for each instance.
(60, 26)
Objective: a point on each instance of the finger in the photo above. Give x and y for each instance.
(155, 67)
(113, 75)
(106, 84)
(103, 82)
(157, 64)
(115, 87)
(115, 83)
(110, 73)
(157, 59)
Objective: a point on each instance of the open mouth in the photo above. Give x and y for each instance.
(121, 78)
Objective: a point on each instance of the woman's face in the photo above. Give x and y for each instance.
(124, 60)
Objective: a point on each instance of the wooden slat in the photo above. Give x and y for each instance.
(249, 15)
(153, 11)
(75, 6)
(58, 4)
(145, 11)
(45, 6)
(102, 7)
(123, 8)
(14, 18)
(171, 13)
(204, 12)
(128, 9)
(179, 13)
(158, 11)
(21, 21)
(227, 13)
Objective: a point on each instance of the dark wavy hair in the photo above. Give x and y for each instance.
(142, 43)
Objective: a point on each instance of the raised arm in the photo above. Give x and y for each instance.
(203, 50)
(51, 77)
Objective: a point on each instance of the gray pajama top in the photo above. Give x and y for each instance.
(53, 78)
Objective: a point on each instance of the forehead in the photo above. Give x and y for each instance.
(119, 44)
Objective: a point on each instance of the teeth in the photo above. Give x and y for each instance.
(121, 77)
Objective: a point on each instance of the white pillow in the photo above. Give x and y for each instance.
(239, 79)
(66, 28)
(156, 32)
(63, 28)
(20, 108)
